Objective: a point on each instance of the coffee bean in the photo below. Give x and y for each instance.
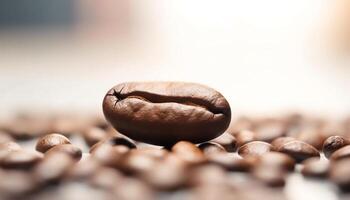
(155, 153)
(269, 131)
(208, 174)
(163, 113)
(120, 141)
(20, 160)
(137, 162)
(48, 141)
(230, 162)
(188, 152)
(131, 189)
(71, 150)
(333, 143)
(276, 160)
(315, 167)
(299, 150)
(83, 169)
(313, 137)
(228, 141)
(108, 155)
(341, 153)
(274, 177)
(106, 178)
(8, 147)
(94, 135)
(211, 147)
(15, 184)
(23, 128)
(278, 142)
(5, 137)
(245, 136)
(339, 173)
(255, 148)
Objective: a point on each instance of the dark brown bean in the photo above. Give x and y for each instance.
(94, 135)
(20, 160)
(341, 153)
(71, 150)
(228, 141)
(211, 147)
(48, 141)
(163, 113)
(315, 167)
(188, 152)
(340, 173)
(245, 136)
(278, 142)
(299, 150)
(276, 160)
(230, 162)
(255, 148)
(333, 143)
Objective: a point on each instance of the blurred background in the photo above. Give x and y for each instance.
(264, 56)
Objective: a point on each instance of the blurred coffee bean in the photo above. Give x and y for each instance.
(208, 175)
(213, 192)
(211, 147)
(156, 153)
(20, 160)
(312, 136)
(108, 155)
(333, 143)
(7, 147)
(53, 167)
(315, 167)
(270, 130)
(275, 177)
(48, 141)
(339, 173)
(299, 150)
(242, 123)
(5, 137)
(276, 160)
(120, 140)
(228, 141)
(188, 152)
(71, 150)
(106, 178)
(341, 153)
(132, 189)
(68, 124)
(16, 184)
(83, 169)
(24, 127)
(230, 162)
(136, 162)
(278, 142)
(255, 148)
(244, 136)
(94, 135)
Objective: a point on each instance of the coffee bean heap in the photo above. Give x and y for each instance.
(92, 160)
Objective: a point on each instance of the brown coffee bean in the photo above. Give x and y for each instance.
(24, 127)
(211, 147)
(71, 150)
(228, 141)
(341, 153)
(255, 148)
(108, 155)
(315, 167)
(155, 153)
(211, 192)
(278, 142)
(120, 140)
(188, 152)
(276, 160)
(270, 130)
(94, 135)
(163, 113)
(244, 136)
(131, 189)
(275, 177)
(15, 184)
(5, 137)
(313, 137)
(52, 168)
(8, 147)
(333, 143)
(340, 173)
(20, 160)
(208, 174)
(240, 124)
(48, 141)
(83, 169)
(106, 178)
(137, 162)
(229, 162)
(299, 150)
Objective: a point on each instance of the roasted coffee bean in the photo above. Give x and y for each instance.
(20, 160)
(188, 152)
(5, 137)
(71, 150)
(68, 124)
(228, 141)
(340, 173)
(244, 136)
(120, 140)
(156, 153)
(333, 143)
(52, 168)
(255, 148)
(94, 135)
(208, 174)
(275, 177)
(299, 150)
(108, 155)
(278, 142)
(48, 141)
(313, 137)
(137, 162)
(8, 147)
(315, 167)
(163, 113)
(276, 160)
(270, 130)
(211, 147)
(106, 178)
(24, 127)
(15, 184)
(341, 153)
(83, 169)
(230, 162)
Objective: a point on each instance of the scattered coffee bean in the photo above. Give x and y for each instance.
(108, 155)
(255, 148)
(313, 137)
(339, 173)
(137, 162)
(270, 130)
(276, 160)
(333, 143)
(120, 140)
(315, 167)
(211, 147)
(106, 178)
(71, 150)
(155, 153)
(132, 189)
(228, 141)
(163, 113)
(83, 169)
(341, 153)
(274, 177)
(48, 141)
(208, 174)
(278, 142)
(299, 150)
(244, 136)
(94, 135)
(23, 128)
(20, 160)
(230, 162)
(188, 152)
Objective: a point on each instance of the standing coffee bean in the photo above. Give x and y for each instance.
(230, 162)
(188, 152)
(245, 136)
(299, 150)
(312, 136)
(211, 147)
(340, 173)
(94, 135)
(341, 153)
(48, 141)
(255, 148)
(20, 160)
(71, 150)
(315, 167)
(278, 142)
(163, 113)
(333, 143)
(276, 160)
(228, 141)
